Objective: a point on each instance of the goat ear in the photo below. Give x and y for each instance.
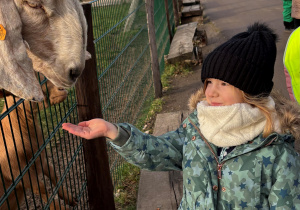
(16, 69)
(88, 55)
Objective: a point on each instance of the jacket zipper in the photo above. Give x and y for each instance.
(220, 170)
(220, 165)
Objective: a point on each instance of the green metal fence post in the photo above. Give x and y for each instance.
(100, 188)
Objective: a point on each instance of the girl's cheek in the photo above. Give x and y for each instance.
(206, 92)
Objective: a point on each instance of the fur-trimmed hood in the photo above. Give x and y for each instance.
(288, 112)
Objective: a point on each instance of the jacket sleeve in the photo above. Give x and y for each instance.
(149, 152)
(285, 191)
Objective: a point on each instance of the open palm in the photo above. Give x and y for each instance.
(87, 129)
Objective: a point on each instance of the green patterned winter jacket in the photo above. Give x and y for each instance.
(261, 174)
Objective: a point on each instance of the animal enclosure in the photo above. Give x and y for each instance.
(125, 85)
(123, 60)
(31, 130)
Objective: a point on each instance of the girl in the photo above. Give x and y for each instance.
(236, 148)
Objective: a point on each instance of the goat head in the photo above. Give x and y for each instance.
(46, 36)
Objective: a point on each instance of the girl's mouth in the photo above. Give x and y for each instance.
(216, 104)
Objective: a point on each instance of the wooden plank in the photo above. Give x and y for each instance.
(176, 183)
(193, 10)
(161, 189)
(182, 45)
(166, 122)
(190, 2)
(155, 191)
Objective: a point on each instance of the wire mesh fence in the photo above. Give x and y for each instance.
(42, 166)
(39, 163)
(123, 60)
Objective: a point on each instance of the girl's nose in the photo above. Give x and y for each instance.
(212, 91)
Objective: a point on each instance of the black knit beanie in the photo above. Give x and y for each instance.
(245, 61)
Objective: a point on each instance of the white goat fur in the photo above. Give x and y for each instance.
(26, 144)
(46, 36)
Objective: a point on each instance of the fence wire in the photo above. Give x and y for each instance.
(123, 60)
(31, 139)
(38, 161)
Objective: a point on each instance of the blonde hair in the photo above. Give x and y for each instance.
(259, 101)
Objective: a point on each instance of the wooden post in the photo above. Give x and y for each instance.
(100, 188)
(168, 20)
(153, 49)
(176, 13)
(180, 3)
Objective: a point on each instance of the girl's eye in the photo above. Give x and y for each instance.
(224, 84)
(208, 81)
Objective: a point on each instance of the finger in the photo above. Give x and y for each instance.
(66, 125)
(69, 127)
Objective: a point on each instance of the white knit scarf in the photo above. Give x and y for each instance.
(231, 125)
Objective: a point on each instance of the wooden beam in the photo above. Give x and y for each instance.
(176, 13)
(168, 20)
(153, 49)
(100, 188)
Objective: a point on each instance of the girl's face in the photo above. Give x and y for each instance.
(220, 93)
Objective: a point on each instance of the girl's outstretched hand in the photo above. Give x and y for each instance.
(92, 129)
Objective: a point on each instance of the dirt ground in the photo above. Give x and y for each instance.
(182, 87)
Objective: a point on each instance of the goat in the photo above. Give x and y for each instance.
(17, 147)
(44, 36)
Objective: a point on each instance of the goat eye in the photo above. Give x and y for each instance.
(33, 5)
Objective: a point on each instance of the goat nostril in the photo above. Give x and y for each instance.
(74, 74)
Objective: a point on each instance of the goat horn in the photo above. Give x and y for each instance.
(16, 69)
